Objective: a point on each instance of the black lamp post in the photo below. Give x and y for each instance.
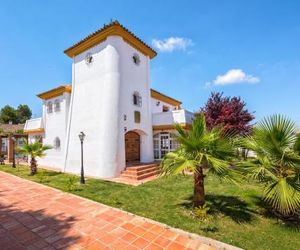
(13, 139)
(81, 138)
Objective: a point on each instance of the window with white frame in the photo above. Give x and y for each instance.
(137, 99)
(163, 143)
(49, 107)
(20, 142)
(156, 140)
(57, 105)
(4, 144)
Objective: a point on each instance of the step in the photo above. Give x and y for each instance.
(137, 177)
(141, 177)
(138, 171)
(140, 167)
(134, 176)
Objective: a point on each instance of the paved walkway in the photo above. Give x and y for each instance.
(34, 216)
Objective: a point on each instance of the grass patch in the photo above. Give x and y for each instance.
(236, 216)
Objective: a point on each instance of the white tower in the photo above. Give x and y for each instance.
(110, 102)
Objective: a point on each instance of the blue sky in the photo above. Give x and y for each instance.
(245, 48)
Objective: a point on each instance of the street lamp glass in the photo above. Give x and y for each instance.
(81, 136)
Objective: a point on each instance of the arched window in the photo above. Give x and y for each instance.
(57, 143)
(57, 105)
(137, 99)
(49, 107)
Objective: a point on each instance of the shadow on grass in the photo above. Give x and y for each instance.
(230, 206)
(291, 222)
(49, 173)
(34, 229)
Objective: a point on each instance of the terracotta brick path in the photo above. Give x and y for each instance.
(33, 216)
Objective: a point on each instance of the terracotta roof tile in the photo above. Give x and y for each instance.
(11, 128)
(104, 28)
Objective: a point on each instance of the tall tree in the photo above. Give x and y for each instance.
(8, 114)
(23, 113)
(202, 151)
(230, 112)
(19, 115)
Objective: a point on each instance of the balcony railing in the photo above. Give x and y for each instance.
(181, 116)
(34, 125)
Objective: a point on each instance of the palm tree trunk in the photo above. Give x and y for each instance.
(199, 193)
(33, 166)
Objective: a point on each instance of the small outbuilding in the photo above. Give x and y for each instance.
(11, 137)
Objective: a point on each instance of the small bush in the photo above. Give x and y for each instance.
(201, 211)
(72, 183)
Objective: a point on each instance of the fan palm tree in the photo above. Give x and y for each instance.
(201, 152)
(34, 150)
(277, 163)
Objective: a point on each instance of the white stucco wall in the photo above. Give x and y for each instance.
(136, 78)
(157, 106)
(101, 96)
(55, 125)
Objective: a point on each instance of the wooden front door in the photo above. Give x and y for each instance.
(132, 146)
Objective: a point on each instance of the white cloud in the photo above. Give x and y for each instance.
(234, 76)
(207, 85)
(172, 43)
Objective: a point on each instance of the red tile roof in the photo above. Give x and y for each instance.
(113, 28)
(11, 128)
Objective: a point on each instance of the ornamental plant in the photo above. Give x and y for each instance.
(202, 151)
(34, 150)
(228, 112)
(276, 144)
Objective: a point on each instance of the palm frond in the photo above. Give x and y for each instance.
(259, 168)
(176, 163)
(297, 144)
(283, 195)
(276, 134)
(198, 147)
(277, 162)
(35, 149)
(199, 127)
(223, 170)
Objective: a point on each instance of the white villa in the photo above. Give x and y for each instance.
(110, 100)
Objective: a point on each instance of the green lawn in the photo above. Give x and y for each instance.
(237, 215)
